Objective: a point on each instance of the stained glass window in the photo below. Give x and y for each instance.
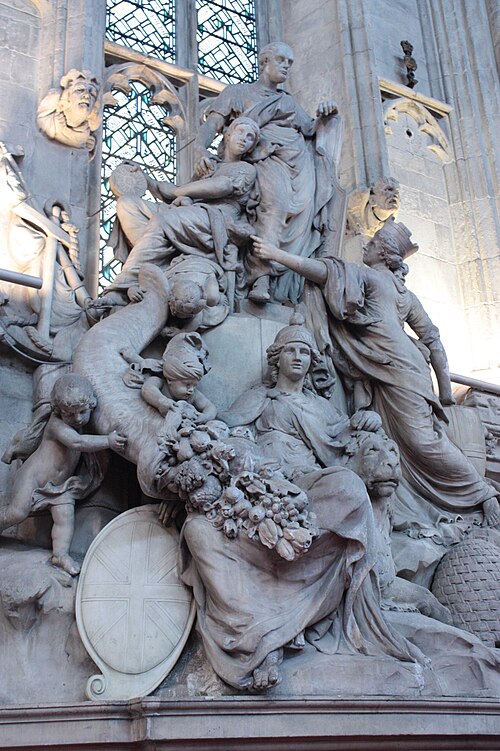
(227, 40)
(144, 25)
(131, 130)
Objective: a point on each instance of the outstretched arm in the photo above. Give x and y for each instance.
(311, 269)
(207, 189)
(439, 363)
(72, 439)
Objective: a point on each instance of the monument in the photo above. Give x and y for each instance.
(240, 481)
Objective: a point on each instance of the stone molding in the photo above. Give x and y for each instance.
(246, 723)
(426, 122)
(398, 90)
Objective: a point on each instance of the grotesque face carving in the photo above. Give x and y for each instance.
(78, 101)
(375, 459)
(385, 195)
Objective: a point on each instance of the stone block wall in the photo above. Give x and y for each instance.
(348, 50)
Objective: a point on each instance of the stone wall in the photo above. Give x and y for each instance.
(352, 51)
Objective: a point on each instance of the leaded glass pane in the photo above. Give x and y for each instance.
(227, 40)
(144, 25)
(131, 130)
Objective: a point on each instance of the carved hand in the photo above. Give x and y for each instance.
(264, 249)
(117, 441)
(205, 164)
(182, 201)
(366, 420)
(325, 109)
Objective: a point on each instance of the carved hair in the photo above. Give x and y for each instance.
(271, 49)
(187, 295)
(72, 392)
(390, 254)
(352, 440)
(74, 75)
(384, 182)
(244, 121)
(394, 240)
(185, 358)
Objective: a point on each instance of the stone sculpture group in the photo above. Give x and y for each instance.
(285, 504)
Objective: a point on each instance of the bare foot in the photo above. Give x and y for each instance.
(268, 674)
(67, 564)
(491, 511)
(299, 642)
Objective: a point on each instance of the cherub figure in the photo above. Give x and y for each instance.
(182, 366)
(53, 476)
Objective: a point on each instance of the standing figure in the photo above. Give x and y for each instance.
(291, 194)
(367, 307)
(52, 476)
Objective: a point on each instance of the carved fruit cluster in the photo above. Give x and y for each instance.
(257, 501)
(269, 509)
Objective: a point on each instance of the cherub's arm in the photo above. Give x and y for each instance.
(206, 408)
(72, 439)
(152, 394)
(309, 268)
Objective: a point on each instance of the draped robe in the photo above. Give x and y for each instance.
(250, 601)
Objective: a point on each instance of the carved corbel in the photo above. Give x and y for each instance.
(71, 114)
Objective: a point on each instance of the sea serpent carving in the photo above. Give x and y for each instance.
(98, 358)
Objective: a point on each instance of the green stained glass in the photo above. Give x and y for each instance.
(131, 130)
(147, 26)
(227, 40)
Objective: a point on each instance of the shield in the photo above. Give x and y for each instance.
(133, 612)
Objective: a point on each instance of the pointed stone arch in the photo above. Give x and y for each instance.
(426, 122)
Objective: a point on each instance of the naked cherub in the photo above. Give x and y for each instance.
(52, 475)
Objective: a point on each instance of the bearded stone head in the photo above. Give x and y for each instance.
(375, 458)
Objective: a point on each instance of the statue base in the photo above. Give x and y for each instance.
(263, 723)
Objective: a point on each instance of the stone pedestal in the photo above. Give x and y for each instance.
(250, 723)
